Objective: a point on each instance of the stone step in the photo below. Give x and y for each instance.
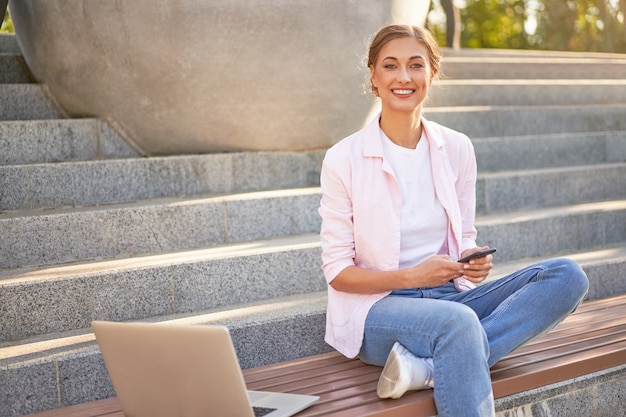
(64, 235)
(60, 140)
(555, 150)
(39, 300)
(8, 44)
(531, 233)
(26, 102)
(492, 92)
(13, 69)
(32, 237)
(526, 53)
(497, 121)
(124, 180)
(533, 67)
(66, 368)
(518, 190)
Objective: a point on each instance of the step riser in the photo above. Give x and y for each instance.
(569, 232)
(605, 279)
(463, 68)
(25, 102)
(87, 234)
(13, 69)
(119, 181)
(518, 153)
(517, 121)
(526, 95)
(8, 43)
(33, 308)
(497, 193)
(40, 141)
(598, 394)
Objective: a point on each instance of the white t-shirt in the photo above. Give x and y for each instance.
(424, 220)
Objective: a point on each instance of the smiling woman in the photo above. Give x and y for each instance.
(398, 211)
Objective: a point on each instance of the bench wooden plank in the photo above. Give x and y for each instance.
(557, 369)
(591, 339)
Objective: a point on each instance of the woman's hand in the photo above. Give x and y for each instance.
(434, 272)
(477, 270)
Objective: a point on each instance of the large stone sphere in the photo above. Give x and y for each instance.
(196, 76)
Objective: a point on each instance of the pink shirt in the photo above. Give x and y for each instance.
(360, 209)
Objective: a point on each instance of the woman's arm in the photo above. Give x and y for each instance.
(433, 272)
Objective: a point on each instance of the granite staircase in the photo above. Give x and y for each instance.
(91, 230)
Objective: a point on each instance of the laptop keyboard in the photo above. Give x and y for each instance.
(262, 411)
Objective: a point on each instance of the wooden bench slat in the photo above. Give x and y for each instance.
(593, 317)
(317, 384)
(608, 343)
(335, 364)
(568, 340)
(523, 378)
(600, 303)
(411, 404)
(294, 366)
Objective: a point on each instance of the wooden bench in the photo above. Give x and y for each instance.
(590, 340)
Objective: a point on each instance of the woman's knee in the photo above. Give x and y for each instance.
(462, 326)
(572, 275)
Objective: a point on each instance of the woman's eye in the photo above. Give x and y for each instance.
(389, 66)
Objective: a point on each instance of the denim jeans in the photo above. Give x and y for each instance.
(467, 332)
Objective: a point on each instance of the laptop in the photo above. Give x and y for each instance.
(165, 370)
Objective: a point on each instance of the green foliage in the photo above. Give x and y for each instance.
(438, 30)
(567, 25)
(584, 25)
(7, 24)
(494, 24)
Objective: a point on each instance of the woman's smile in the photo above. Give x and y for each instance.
(403, 92)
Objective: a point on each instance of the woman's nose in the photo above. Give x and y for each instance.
(403, 75)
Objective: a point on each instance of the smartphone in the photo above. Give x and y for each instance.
(478, 254)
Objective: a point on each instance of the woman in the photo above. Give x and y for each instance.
(398, 208)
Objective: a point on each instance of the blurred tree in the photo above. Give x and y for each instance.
(583, 25)
(568, 25)
(494, 24)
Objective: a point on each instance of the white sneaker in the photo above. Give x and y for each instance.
(403, 372)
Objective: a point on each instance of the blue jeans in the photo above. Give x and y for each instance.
(467, 332)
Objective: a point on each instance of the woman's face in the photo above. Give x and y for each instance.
(402, 75)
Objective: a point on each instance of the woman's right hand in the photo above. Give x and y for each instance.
(434, 272)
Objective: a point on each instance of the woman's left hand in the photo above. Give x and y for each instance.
(477, 269)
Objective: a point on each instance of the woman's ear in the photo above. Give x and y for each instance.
(372, 76)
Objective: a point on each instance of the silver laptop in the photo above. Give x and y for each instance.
(165, 370)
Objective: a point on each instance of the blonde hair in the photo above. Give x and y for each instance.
(396, 31)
